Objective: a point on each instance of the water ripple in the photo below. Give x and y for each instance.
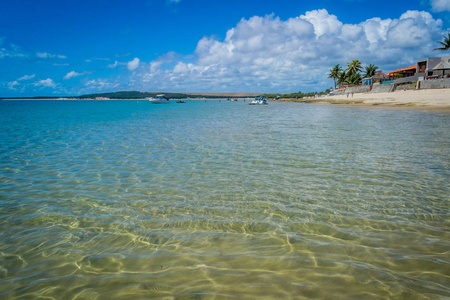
(119, 199)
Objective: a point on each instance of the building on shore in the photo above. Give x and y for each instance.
(377, 78)
(426, 68)
(442, 68)
(428, 73)
(404, 72)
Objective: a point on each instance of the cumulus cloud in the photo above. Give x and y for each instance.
(269, 54)
(409, 31)
(323, 22)
(45, 83)
(440, 5)
(134, 64)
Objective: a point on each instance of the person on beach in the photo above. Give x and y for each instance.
(347, 95)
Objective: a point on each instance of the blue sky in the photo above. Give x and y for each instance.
(74, 47)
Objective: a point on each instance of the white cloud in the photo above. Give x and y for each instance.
(49, 55)
(168, 58)
(11, 51)
(323, 22)
(376, 29)
(46, 83)
(72, 74)
(115, 64)
(12, 85)
(268, 54)
(412, 30)
(131, 65)
(27, 77)
(134, 64)
(440, 5)
(95, 82)
(99, 85)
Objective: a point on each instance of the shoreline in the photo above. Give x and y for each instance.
(430, 100)
(434, 100)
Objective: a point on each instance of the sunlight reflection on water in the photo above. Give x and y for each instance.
(119, 199)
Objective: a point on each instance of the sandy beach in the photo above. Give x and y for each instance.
(431, 99)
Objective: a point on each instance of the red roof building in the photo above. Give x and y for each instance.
(406, 72)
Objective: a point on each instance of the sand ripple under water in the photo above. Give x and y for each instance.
(214, 200)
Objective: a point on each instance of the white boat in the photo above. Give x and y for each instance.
(159, 99)
(261, 100)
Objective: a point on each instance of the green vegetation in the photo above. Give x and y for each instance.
(445, 44)
(354, 79)
(297, 95)
(353, 67)
(335, 73)
(371, 70)
(352, 74)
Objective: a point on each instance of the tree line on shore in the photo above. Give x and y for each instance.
(297, 95)
(353, 74)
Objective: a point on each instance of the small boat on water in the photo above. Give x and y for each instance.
(181, 101)
(261, 100)
(159, 99)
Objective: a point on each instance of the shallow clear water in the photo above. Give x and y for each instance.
(204, 200)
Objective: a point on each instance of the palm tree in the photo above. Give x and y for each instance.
(353, 67)
(342, 78)
(445, 44)
(371, 70)
(334, 73)
(354, 79)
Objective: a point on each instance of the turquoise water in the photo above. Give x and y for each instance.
(218, 200)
